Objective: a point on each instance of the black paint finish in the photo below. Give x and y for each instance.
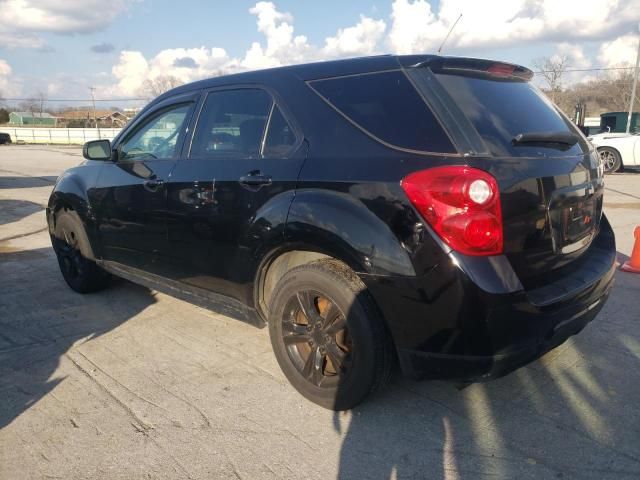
(212, 223)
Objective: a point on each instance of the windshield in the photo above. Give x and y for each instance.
(502, 110)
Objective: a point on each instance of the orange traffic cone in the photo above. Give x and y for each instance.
(633, 264)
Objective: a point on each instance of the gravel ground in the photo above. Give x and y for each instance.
(130, 383)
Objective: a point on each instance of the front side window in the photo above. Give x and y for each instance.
(232, 123)
(158, 137)
(386, 106)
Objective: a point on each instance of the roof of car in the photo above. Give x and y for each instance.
(331, 68)
(309, 71)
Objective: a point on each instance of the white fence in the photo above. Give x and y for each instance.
(59, 136)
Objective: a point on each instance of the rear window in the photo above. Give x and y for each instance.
(387, 107)
(500, 110)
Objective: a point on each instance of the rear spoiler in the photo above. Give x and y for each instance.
(477, 67)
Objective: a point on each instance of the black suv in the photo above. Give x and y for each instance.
(438, 211)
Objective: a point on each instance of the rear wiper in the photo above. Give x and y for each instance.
(564, 138)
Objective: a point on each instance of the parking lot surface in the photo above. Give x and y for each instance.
(129, 383)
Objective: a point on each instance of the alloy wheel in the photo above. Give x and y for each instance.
(608, 160)
(69, 254)
(316, 337)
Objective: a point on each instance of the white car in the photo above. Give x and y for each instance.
(617, 150)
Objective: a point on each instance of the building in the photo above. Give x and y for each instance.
(32, 119)
(87, 118)
(132, 112)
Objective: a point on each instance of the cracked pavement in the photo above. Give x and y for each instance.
(129, 383)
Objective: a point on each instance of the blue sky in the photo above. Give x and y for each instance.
(115, 45)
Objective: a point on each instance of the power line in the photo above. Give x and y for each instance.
(78, 100)
(134, 99)
(600, 69)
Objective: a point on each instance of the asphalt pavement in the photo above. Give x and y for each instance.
(130, 383)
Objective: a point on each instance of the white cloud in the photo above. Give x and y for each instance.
(576, 59)
(69, 16)
(10, 40)
(23, 20)
(281, 47)
(8, 84)
(621, 51)
(133, 68)
(361, 39)
(417, 28)
(130, 71)
(574, 53)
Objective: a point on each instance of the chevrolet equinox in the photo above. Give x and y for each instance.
(436, 212)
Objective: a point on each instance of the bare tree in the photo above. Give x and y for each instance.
(4, 113)
(152, 87)
(41, 98)
(617, 89)
(608, 92)
(29, 105)
(552, 70)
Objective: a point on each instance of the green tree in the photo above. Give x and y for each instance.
(4, 115)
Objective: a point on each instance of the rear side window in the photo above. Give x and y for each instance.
(280, 137)
(500, 110)
(232, 123)
(386, 106)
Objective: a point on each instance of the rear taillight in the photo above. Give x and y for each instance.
(462, 205)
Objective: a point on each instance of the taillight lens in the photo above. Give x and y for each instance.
(501, 70)
(462, 205)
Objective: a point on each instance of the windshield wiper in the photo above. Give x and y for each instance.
(563, 138)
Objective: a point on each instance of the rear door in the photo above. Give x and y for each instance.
(131, 192)
(231, 193)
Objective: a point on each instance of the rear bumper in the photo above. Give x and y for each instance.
(446, 326)
(419, 364)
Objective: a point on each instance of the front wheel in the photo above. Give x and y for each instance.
(610, 159)
(71, 246)
(328, 336)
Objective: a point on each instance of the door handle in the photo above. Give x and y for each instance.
(153, 184)
(255, 180)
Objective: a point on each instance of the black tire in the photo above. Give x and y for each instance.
(73, 250)
(348, 350)
(610, 159)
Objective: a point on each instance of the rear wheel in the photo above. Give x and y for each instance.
(71, 246)
(327, 335)
(610, 158)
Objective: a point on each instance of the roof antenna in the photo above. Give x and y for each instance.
(450, 30)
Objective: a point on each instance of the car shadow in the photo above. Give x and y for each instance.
(10, 182)
(13, 210)
(41, 320)
(566, 415)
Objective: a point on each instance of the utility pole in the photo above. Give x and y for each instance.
(95, 119)
(450, 30)
(635, 84)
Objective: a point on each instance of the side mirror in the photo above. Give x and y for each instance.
(97, 150)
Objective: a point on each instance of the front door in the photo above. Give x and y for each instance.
(131, 192)
(229, 198)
